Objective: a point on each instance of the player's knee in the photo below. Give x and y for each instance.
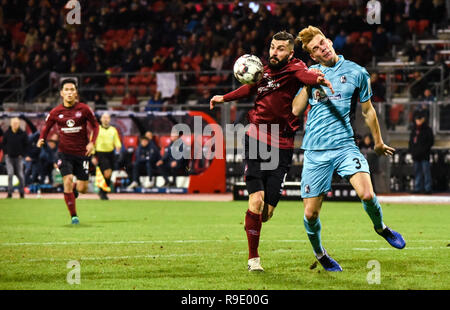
(366, 195)
(256, 202)
(82, 188)
(311, 215)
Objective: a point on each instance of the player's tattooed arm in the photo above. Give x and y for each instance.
(301, 101)
(370, 117)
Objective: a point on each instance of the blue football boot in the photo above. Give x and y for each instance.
(328, 263)
(393, 238)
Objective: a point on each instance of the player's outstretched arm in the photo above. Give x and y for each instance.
(301, 101)
(215, 100)
(370, 117)
(242, 92)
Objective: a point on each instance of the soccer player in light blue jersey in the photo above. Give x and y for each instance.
(329, 140)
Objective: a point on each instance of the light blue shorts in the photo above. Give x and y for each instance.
(318, 168)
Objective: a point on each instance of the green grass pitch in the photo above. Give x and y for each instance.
(168, 245)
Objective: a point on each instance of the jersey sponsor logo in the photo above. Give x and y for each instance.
(319, 95)
(70, 123)
(270, 85)
(335, 97)
(72, 130)
(70, 127)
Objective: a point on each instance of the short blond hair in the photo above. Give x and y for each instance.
(306, 35)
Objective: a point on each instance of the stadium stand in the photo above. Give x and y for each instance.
(128, 46)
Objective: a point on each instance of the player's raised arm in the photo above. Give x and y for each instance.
(242, 92)
(370, 117)
(313, 77)
(301, 101)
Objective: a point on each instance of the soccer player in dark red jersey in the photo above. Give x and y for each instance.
(75, 146)
(282, 78)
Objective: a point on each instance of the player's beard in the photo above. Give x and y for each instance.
(280, 64)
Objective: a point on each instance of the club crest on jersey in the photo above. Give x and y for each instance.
(70, 123)
(307, 189)
(319, 95)
(78, 114)
(343, 79)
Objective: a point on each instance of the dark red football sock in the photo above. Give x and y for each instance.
(70, 202)
(253, 224)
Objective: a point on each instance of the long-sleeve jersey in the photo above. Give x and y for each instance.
(72, 127)
(273, 105)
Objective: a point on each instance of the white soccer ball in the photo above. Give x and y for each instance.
(248, 69)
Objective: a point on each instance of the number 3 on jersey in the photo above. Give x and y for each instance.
(358, 163)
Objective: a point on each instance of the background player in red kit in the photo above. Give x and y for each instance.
(282, 78)
(75, 147)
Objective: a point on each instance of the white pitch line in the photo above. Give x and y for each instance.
(406, 248)
(96, 258)
(189, 241)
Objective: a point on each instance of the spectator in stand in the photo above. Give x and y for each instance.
(339, 42)
(147, 155)
(129, 100)
(418, 86)
(15, 146)
(217, 60)
(427, 99)
(400, 31)
(378, 88)
(380, 42)
(168, 163)
(366, 144)
(99, 102)
(420, 142)
(154, 100)
(361, 52)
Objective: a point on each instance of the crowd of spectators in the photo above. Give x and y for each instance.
(35, 38)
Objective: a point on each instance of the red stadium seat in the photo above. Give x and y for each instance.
(204, 79)
(142, 90)
(120, 90)
(164, 141)
(109, 90)
(146, 79)
(133, 90)
(216, 79)
(412, 25)
(187, 139)
(153, 89)
(368, 35)
(141, 33)
(422, 25)
(395, 113)
(355, 36)
(137, 79)
(113, 80)
(130, 141)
